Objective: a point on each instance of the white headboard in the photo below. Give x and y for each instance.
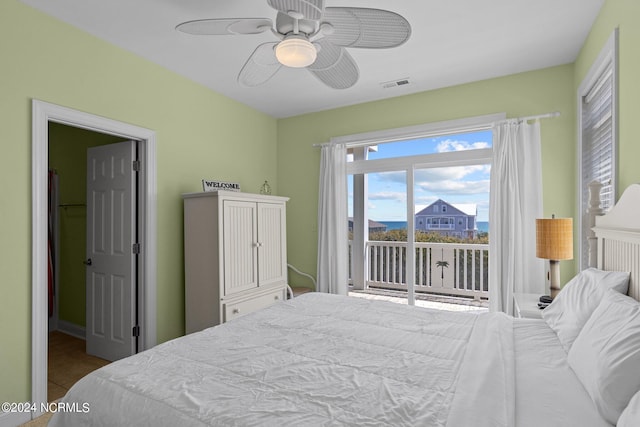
(618, 234)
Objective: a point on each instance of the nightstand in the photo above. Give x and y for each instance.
(526, 305)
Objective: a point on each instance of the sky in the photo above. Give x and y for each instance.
(466, 184)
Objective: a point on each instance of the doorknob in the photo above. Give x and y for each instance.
(87, 262)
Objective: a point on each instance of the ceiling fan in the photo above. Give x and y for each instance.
(312, 37)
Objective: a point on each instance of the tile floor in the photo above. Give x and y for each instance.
(67, 363)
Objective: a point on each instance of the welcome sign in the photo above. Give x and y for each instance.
(219, 185)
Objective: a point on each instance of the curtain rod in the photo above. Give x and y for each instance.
(525, 118)
(536, 117)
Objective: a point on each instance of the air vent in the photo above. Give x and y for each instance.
(395, 83)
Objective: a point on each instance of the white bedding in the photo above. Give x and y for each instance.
(326, 360)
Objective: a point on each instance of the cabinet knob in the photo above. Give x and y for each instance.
(276, 297)
(235, 311)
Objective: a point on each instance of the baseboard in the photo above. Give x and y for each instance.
(71, 329)
(14, 419)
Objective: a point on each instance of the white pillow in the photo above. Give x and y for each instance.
(606, 354)
(573, 305)
(631, 415)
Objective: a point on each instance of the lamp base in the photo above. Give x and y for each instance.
(554, 277)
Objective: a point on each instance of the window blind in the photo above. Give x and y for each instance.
(598, 155)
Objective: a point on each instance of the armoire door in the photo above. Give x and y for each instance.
(240, 244)
(272, 250)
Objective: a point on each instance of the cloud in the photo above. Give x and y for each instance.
(397, 177)
(442, 181)
(450, 173)
(425, 200)
(388, 195)
(459, 180)
(434, 174)
(453, 145)
(456, 187)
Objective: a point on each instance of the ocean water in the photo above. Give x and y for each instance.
(399, 225)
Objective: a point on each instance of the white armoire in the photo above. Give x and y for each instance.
(235, 255)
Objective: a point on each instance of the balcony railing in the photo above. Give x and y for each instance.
(441, 226)
(444, 268)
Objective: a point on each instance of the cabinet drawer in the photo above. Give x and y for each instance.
(237, 309)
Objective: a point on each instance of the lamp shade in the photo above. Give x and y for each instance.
(554, 238)
(296, 51)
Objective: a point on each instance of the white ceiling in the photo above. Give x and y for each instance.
(452, 42)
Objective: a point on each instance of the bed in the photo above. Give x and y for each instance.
(327, 360)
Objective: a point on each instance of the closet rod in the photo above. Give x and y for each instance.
(71, 205)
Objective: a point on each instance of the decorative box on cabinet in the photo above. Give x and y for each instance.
(235, 255)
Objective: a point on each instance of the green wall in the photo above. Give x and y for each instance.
(624, 14)
(200, 134)
(517, 95)
(68, 157)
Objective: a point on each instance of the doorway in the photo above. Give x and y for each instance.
(69, 210)
(44, 114)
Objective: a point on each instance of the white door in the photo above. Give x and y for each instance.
(111, 262)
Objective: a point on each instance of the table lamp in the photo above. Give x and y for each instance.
(554, 241)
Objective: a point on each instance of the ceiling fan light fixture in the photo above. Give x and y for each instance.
(296, 51)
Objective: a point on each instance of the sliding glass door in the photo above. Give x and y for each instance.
(417, 207)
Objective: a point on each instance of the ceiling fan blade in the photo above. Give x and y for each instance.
(214, 27)
(366, 28)
(334, 66)
(309, 9)
(260, 67)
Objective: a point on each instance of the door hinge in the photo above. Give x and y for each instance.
(136, 248)
(136, 331)
(136, 165)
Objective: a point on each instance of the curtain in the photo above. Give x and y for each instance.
(332, 221)
(515, 203)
